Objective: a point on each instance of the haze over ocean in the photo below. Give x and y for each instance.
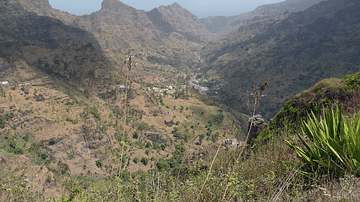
(200, 8)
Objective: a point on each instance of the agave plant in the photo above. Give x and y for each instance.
(334, 142)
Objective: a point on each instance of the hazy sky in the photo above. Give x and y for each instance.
(200, 8)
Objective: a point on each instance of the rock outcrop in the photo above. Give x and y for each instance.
(256, 123)
(176, 18)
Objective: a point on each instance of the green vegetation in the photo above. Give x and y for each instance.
(136, 160)
(2, 121)
(99, 163)
(39, 97)
(71, 120)
(333, 143)
(144, 160)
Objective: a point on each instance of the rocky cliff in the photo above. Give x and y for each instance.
(175, 18)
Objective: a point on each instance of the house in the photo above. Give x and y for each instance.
(5, 82)
(122, 86)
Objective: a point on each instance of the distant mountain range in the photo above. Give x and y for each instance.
(222, 24)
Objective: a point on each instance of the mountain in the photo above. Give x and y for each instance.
(223, 25)
(31, 41)
(118, 26)
(295, 50)
(175, 18)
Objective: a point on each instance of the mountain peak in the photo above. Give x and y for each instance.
(114, 5)
(175, 5)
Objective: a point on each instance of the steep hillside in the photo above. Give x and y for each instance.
(30, 41)
(176, 18)
(223, 25)
(295, 52)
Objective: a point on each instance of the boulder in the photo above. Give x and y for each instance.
(258, 124)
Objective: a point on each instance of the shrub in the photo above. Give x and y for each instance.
(148, 145)
(162, 164)
(95, 113)
(136, 135)
(52, 141)
(144, 160)
(333, 143)
(147, 152)
(99, 163)
(163, 146)
(39, 97)
(136, 160)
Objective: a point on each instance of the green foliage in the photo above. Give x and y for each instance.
(353, 80)
(144, 160)
(95, 113)
(162, 164)
(163, 146)
(71, 120)
(334, 143)
(136, 160)
(39, 97)
(2, 121)
(141, 126)
(136, 134)
(148, 145)
(99, 163)
(215, 137)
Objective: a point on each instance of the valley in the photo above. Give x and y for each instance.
(134, 105)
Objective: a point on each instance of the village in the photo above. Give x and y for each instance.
(169, 90)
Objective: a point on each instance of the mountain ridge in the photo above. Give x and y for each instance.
(296, 52)
(223, 25)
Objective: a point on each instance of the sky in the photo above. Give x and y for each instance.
(200, 8)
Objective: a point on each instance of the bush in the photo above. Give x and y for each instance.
(333, 143)
(136, 160)
(163, 146)
(39, 97)
(144, 160)
(162, 164)
(136, 135)
(99, 163)
(148, 145)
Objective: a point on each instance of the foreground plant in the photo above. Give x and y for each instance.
(334, 143)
